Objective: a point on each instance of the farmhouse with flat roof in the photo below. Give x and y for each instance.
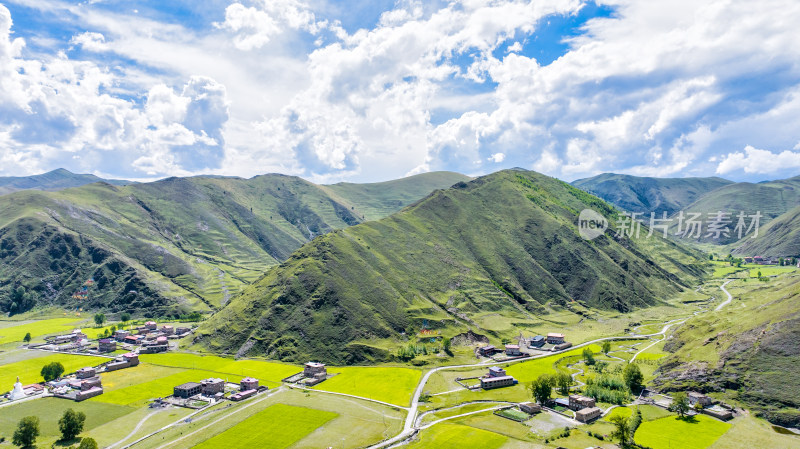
(530, 407)
(187, 390)
(311, 369)
(587, 414)
(107, 345)
(212, 386)
(555, 338)
(487, 351)
(248, 383)
(695, 398)
(536, 342)
(488, 383)
(578, 402)
(513, 350)
(496, 371)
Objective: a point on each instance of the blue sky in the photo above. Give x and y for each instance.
(375, 90)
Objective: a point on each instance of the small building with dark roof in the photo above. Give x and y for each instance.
(187, 390)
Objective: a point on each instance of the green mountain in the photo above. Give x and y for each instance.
(175, 244)
(748, 350)
(53, 180)
(771, 199)
(501, 250)
(645, 195)
(780, 237)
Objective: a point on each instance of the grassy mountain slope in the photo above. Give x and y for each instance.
(53, 180)
(638, 194)
(504, 245)
(177, 243)
(772, 199)
(749, 348)
(781, 237)
(380, 199)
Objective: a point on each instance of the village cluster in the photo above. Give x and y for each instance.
(145, 339)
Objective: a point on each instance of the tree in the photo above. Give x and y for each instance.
(21, 301)
(711, 256)
(633, 377)
(27, 338)
(88, 443)
(125, 317)
(606, 347)
(52, 371)
(99, 319)
(759, 273)
(622, 430)
(541, 388)
(27, 431)
(680, 404)
(563, 381)
(588, 356)
(446, 344)
(71, 424)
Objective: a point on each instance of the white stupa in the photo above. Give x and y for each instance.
(17, 392)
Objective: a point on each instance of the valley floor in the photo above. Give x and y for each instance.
(388, 406)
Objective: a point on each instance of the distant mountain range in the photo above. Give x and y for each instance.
(58, 179)
(645, 195)
(774, 200)
(179, 243)
(500, 249)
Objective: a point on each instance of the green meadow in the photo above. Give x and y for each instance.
(277, 427)
(50, 410)
(698, 432)
(456, 436)
(392, 385)
(16, 333)
(28, 370)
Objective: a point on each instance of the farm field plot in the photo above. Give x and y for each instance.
(392, 385)
(139, 394)
(16, 333)
(145, 372)
(270, 372)
(454, 436)
(768, 271)
(50, 410)
(697, 433)
(277, 427)
(189, 361)
(28, 370)
(149, 419)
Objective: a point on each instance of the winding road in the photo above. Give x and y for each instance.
(730, 298)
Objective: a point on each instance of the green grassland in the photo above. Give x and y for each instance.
(277, 427)
(432, 262)
(16, 332)
(698, 432)
(455, 436)
(28, 369)
(270, 373)
(387, 384)
(50, 410)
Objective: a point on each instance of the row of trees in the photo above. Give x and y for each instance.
(70, 425)
(542, 387)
